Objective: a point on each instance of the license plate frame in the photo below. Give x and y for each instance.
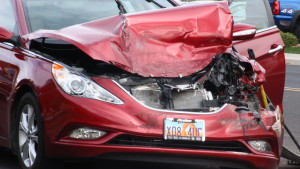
(184, 129)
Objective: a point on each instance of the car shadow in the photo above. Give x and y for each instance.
(101, 164)
(8, 160)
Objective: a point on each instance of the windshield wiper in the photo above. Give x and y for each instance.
(156, 3)
(121, 7)
(173, 3)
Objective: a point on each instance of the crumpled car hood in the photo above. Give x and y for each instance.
(162, 43)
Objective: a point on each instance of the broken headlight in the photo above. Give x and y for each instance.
(75, 84)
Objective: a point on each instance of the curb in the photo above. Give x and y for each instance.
(292, 59)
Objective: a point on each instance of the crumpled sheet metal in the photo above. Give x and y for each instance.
(162, 43)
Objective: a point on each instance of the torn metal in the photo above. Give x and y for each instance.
(223, 81)
(153, 43)
(183, 63)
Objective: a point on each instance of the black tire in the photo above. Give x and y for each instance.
(297, 32)
(28, 136)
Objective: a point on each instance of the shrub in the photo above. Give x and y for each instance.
(289, 39)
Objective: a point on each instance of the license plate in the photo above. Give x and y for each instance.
(184, 129)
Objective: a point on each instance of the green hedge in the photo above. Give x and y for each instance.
(289, 39)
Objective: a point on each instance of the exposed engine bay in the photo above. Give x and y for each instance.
(227, 80)
(206, 91)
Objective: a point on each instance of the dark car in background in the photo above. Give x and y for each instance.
(140, 80)
(287, 15)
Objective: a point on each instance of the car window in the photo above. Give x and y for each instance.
(57, 14)
(253, 12)
(250, 12)
(165, 3)
(142, 5)
(7, 18)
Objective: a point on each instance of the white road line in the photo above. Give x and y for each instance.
(292, 89)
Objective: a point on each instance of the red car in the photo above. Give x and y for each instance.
(128, 79)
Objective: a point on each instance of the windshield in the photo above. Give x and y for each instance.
(57, 14)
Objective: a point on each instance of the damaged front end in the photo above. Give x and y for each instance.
(178, 66)
(224, 81)
(231, 79)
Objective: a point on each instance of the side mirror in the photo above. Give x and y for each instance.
(243, 31)
(5, 34)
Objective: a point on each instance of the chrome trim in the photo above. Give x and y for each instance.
(9, 44)
(168, 111)
(241, 153)
(36, 55)
(266, 29)
(279, 47)
(244, 32)
(29, 52)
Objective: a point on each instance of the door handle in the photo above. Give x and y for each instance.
(278, 48)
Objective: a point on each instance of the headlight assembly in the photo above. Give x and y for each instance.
(77, 85)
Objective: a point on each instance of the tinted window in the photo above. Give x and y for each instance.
(57, 14)
(7, 19)
(250, 12)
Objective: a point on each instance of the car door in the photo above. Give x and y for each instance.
(7, 20)
(267, 44)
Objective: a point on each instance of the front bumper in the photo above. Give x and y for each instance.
(199, 157)
(64, 113)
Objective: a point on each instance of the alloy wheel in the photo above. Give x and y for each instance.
(28, 135)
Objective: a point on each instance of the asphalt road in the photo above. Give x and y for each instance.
(291, 101)
(292, 119)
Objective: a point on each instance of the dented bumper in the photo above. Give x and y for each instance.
(140, 123)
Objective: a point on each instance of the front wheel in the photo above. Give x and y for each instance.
(29, 136)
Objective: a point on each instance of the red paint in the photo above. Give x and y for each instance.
(5, 34)
(276, 7)
(243, 27)
(274, 63)
(62, 113)
(148, 44)
(132, 118)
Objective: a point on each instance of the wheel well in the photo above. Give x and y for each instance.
(21, 91)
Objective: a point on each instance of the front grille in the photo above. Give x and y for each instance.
(127, 140)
